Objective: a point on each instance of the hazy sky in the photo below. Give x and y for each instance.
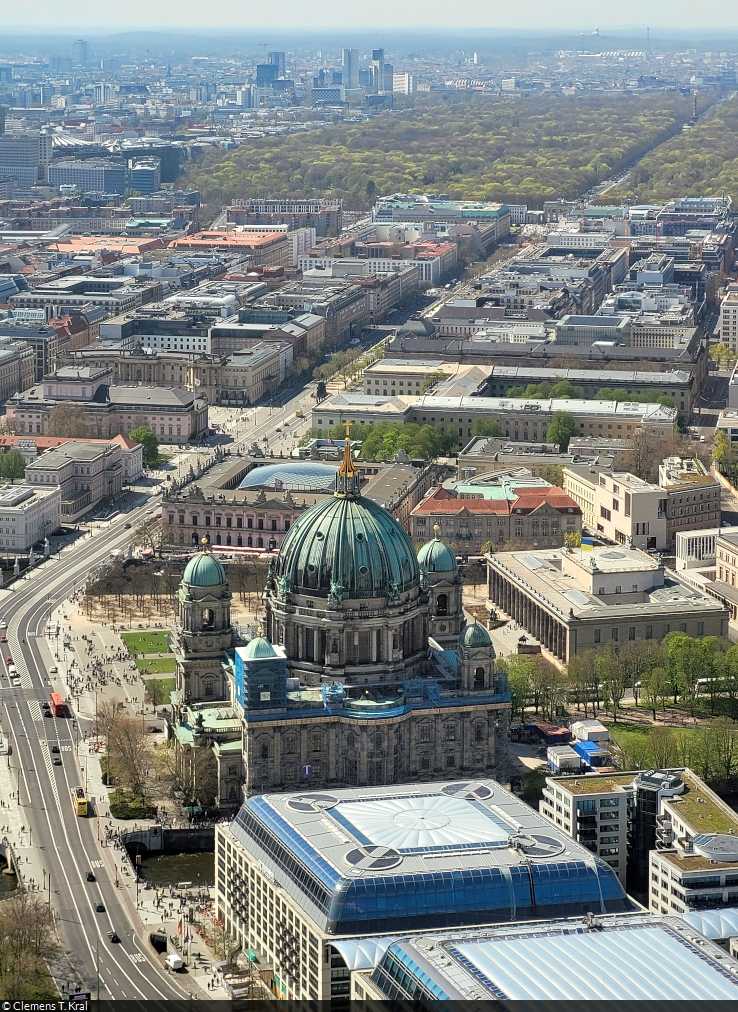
(88, 15)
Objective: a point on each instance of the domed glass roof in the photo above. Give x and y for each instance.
(297, 477)
(350, 545)
(204, 570)
(435, 556)
(474, 636)
(259, 648)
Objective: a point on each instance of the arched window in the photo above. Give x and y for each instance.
(208, 618)
(264, 751)
(239, 541)
(217, 539)
(249, 541)
(233, 793)
(260, 542)
(479, 732)
(208, 687)
(479, 678)
(194, 538)
(442, 604)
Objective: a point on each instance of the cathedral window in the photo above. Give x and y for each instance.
(450, 761)
(207, 688)
(425, 734)
(479, 732)
(265, 751)
(442, 604)
(316, 743)
(479, 678)
(450, 732)
(218, 539)
(208, 618)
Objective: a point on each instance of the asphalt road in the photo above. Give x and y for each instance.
(64, 845)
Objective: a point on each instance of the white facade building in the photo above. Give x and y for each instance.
(27, 515)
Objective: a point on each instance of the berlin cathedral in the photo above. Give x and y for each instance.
(365, 672)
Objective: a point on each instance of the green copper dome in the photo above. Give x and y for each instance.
(435, 556)
(204, 570)
(474, 636)
(347, 547)
(258, 648)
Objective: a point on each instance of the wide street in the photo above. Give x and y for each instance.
(64, 846)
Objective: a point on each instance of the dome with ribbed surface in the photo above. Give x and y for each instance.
(204, 570)
(347, 547)
(474, 636)
(258, 648)
(435, 556)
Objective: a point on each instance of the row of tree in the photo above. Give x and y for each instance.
(702, 160)
(710, 749)
(701, 674)
(566, 391)
(27, 942)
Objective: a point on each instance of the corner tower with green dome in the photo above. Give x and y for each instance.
(442, 580)
(201, 632)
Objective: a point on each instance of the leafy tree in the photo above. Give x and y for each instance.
(533, 783)
(722, 355)
(68, 420)
(573, 539)
(12, 465)
(722, 451)
(520, 670)
(565, 389)
(561, 429)
(655, 690)
(142, 434)
(431, 379)
(523, 149)
(486, 427)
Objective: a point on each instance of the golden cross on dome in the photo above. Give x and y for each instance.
(347, 464)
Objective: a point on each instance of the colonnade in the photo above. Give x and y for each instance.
(539, 622)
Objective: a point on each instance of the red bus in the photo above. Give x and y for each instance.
(58, 706)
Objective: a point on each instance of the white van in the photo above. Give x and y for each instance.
(173, 961)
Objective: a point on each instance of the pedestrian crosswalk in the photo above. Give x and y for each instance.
(35, 707)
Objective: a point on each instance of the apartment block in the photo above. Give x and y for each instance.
(596, 811)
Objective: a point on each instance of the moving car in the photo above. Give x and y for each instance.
(55, 748)
(3, 638)
(90, 876)
(99, 908)
(57, 761)
(113, 937)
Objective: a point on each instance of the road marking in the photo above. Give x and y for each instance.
(136, 957)
(97, 864)
(35, 707)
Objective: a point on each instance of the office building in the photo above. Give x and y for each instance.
(350, 68)
(301, 875)
(85, 474)
(25, 157)
(417, 208)
(325, 216)
(635, 957)
(75, 294)
(343, 305)
(403, 84)
(573, 600)
(728, 323)
(79, 53)
(90, 175)
(269, 249)
(627, 510)
(694, 864)
(28, 515)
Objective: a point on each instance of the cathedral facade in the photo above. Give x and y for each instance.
(365, 673)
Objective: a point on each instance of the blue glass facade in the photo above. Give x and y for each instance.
(423, 900)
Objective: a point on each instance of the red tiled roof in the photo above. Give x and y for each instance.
(444, 502)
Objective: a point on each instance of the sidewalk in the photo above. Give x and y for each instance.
(148, 909)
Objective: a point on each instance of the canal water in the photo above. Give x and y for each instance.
(170, 869)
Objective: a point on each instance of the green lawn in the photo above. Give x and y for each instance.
(156, 666)
(146, 642)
